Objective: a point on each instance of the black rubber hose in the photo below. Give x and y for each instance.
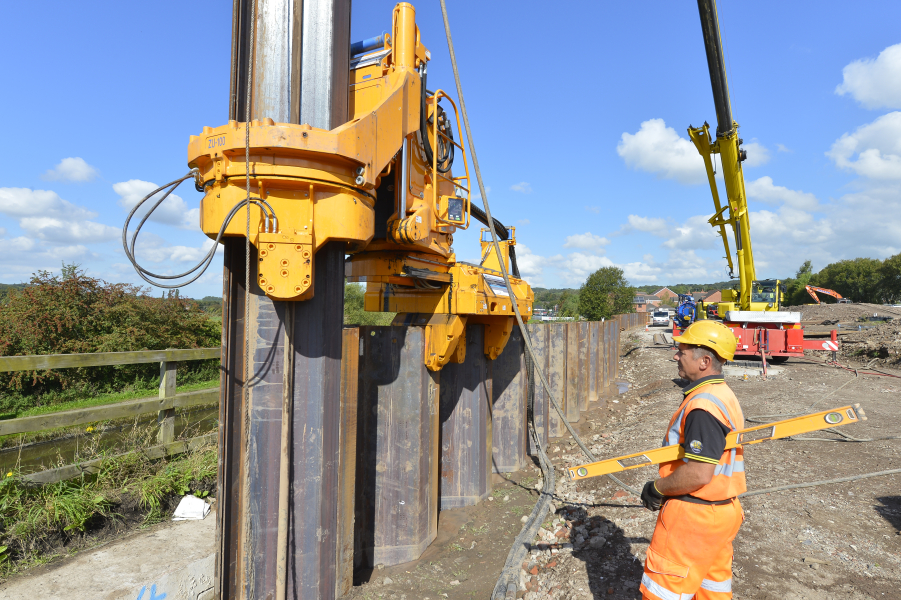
(479, 215)
(514, 268)
(424, 121)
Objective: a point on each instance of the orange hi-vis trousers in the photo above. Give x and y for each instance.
(690, 555)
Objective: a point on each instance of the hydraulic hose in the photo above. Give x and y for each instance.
(527, 534)
(205, 262)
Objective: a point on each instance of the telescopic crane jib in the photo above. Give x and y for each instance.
(753, 310)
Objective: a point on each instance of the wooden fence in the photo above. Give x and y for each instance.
(164, 405)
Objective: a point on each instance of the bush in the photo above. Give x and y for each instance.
(72, 313)
(605, 293)
(354, 314)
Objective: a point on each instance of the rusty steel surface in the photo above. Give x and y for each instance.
(538, 399)
(509, 387)
(309, 380)
(397, 447)
(313, 521)
(231, 421)
(262, 441)
(556, 375)
(584, 346)
(594, 351)
(466, 426)
(573, 385)
(347, 459)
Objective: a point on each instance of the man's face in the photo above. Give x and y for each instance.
(689, 367)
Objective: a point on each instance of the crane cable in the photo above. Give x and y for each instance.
(527, 534)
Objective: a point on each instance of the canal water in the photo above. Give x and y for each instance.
(48, 454)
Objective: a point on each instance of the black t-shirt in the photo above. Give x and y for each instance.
(705, 437)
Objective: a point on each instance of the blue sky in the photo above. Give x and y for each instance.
(579, 115)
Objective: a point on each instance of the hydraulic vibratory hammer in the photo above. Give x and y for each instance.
(383, 183)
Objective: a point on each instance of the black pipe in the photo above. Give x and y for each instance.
(713, 45)
(479, 215)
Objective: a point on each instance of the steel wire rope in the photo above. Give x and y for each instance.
(816, 483)
(523, 540)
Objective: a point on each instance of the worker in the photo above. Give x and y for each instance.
(691, 551)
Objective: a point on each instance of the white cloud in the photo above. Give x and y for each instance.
(153, 248)
(523, 186)
(783, 148)
(875, 83)
(24, 202)
(64, 231)
(71, 169)
(173, 211)
(763, 190)
(877, 147)
(477, 194)
(658, 149)
(652, 225)
(531, 266)
(522, 222)
(47, 217)
(593, 209)
(758, 154)
(576, 267)
(586, 241)
(694, 233)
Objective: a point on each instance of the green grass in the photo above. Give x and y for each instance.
(33, 519)
(110, 398)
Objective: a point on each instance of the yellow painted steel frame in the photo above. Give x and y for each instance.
(321, 184)
(751, 435)
(727, 146)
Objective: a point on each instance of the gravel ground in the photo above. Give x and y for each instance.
(837, 541)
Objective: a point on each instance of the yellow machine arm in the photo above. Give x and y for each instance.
(752, 435)
(727, 144)
(382, 182)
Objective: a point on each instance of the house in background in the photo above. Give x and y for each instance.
(716, 296)
(664, 293)
(645, 302)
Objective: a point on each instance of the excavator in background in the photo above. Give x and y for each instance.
(753, 310)
(812, 289)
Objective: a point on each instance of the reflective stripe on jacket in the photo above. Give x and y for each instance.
(716, 398)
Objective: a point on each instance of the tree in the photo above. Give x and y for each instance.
(354, 313)
(795, 292)
(72, 313)
(605, 293)
(858, 279)
(890, 275)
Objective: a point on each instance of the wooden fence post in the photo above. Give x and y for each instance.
(166, 418)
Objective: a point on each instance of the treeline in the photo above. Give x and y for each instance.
(860, 279)
(71, 313)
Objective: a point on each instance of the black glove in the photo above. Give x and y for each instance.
(650, 497)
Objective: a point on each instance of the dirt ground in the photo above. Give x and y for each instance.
(840, 541)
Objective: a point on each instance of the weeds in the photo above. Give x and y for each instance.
(37, 522)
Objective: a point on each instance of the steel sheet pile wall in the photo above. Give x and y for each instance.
(466, 425)
(397, 433)
(509, 390)
(429, 441)
(538, 398)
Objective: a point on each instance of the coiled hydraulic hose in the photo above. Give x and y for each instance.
(271, 224)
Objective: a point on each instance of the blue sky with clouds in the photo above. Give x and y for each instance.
(580, 117)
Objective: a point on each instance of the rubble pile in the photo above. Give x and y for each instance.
(880, 344)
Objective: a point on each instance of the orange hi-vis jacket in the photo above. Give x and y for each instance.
(714, 396)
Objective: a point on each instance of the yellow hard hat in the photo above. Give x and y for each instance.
(713, 335)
